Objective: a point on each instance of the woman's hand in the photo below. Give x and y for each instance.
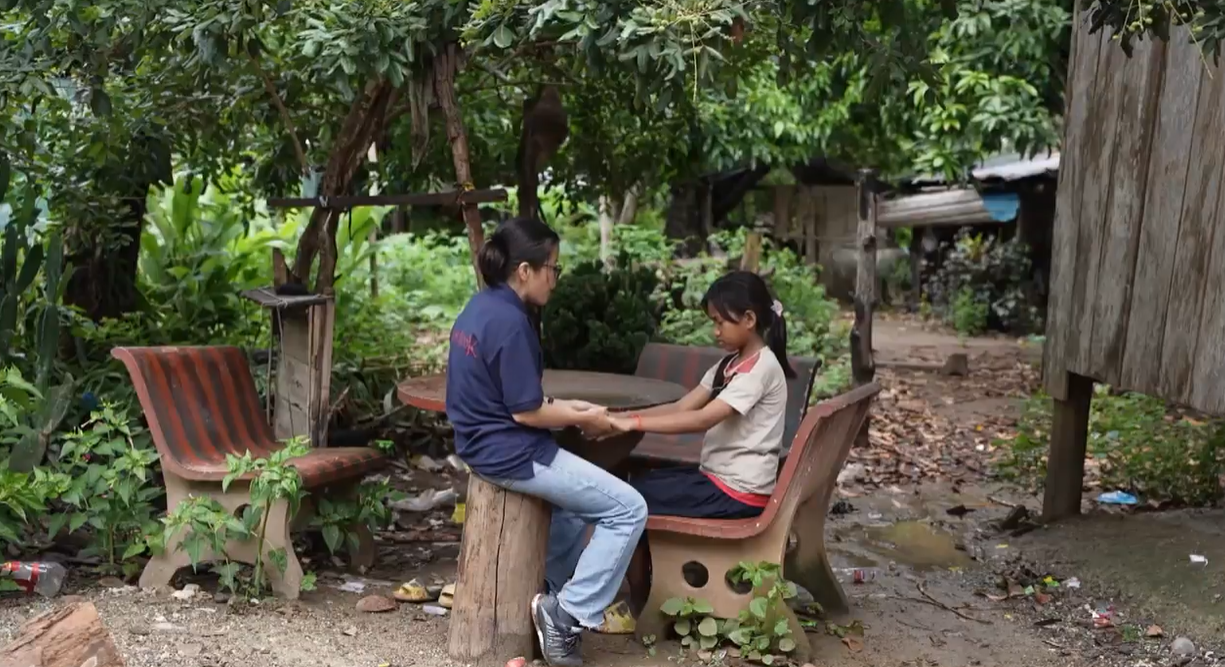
(596, 424)
(584, 406)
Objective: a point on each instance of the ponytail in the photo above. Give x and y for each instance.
(492, 260)
(776, 337)
(735, 294)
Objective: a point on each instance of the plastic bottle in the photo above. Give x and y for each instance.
(46, 579)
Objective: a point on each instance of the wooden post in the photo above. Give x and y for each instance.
(863, 368)
(751, 259)
(782, 211)
(1065, 466)
(69, 636)
(501, 567)
(445, 66)
(916, 269)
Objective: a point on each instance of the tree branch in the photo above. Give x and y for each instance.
(280, 105)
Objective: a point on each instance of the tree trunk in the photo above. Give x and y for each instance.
(103, 283)
(629, 206)
(606, 230)
(863, 366)
(683, 222)
(501, 567)
(445, 66)
(69, 636)
(366, 120)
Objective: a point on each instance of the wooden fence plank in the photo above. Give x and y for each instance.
(1098, 153)
(1199, 216)
(1167, 178)
(1138, 106)
(1208, 372)
(1085, 50)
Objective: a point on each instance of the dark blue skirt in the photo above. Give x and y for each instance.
(688, 492)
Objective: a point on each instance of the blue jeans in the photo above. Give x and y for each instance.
(585, 580)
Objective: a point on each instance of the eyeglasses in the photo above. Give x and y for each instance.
(556, 269)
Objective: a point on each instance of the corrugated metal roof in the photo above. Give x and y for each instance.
(1014, 167)
(1004, 167)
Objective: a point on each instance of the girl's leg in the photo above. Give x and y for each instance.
(688, 492)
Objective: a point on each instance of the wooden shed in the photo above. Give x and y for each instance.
(1138, 264)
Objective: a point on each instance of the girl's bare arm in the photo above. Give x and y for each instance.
(696, 399)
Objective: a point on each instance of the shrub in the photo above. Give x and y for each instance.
(599, 320)
(996, 274)
(1142, 446)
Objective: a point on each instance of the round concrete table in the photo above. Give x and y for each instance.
(617, 392)
(502, 557)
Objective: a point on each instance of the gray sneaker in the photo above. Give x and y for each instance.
(560, 636)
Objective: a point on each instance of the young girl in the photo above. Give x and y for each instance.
(502, 420)
(740, 405)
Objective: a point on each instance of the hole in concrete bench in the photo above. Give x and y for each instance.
(695, 574)
(737, 587)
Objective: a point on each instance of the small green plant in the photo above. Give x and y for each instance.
(969, 313)
(273, 481)
(693, 624)
(763, 630)
(335, 518)
(21, 500)
(207, 527)
(104, 478)
(599, 319)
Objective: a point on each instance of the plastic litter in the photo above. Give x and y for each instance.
(856, 575)
(434, 610)
(1197, 559)
(426, 501)
(1072, 583)
(1117, 498)
(46, 579)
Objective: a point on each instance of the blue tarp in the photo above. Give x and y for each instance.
(1002, 206)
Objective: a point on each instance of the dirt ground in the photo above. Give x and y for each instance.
(933, 569)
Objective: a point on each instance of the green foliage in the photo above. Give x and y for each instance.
(21, 501)
(984, 282)
(1138, 443)
(761, 631)
(335, 518)
(599, 319)
(969, 312)
(104, 479)
(693, 625)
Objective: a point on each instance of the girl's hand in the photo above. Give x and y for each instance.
(623, 425)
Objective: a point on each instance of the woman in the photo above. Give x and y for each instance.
(502, 422)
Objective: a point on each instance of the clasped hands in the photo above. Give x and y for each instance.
(597, 423)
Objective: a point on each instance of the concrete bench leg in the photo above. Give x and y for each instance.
(671, 552)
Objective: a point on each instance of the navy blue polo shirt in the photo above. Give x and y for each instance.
(494, 370)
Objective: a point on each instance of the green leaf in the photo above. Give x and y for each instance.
(332, 537)
(701, 606)
(503, 37)
(682, 627)
(709, 627)
(767, 659)
(780, 628)
(786, 644)
(134, 549)
(758, 607)
(707, 643)
(672, 606)
(78, 519)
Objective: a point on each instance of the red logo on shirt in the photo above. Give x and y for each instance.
(464, 340)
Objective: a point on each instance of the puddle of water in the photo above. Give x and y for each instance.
(913, 543)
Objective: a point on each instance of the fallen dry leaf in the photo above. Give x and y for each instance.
(1154, 631)
(853, 643)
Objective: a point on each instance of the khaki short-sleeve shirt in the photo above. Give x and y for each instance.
(743, 450)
